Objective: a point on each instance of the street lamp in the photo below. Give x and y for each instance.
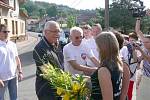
(107, 14)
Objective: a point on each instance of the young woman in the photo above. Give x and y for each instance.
(108, 82)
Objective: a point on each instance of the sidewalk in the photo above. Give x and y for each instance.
(26, 42)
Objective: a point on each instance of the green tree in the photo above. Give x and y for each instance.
(91, 21)
(121, 17)
(145, 24)
(30, 7)
(100, 16)
(42, 12)
(23, 10)
(51, 11)
(71, 21)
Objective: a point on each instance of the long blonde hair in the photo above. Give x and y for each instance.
(109, 49)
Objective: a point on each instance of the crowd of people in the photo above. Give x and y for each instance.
(104, 56)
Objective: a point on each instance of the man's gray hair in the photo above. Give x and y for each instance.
(78, 29)
(50, 23)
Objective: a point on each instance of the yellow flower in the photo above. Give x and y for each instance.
(66, 96)
(76, 87)
(68, 86)
(59, 91)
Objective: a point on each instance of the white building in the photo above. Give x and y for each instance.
(12, 17)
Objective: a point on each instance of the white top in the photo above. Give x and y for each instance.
(78, 53)
(91, 44)
(8, 65)
(124, 53)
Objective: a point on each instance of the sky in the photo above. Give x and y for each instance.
(86, 4)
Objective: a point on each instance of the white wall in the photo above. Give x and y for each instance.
(13, 15)
(14, 4)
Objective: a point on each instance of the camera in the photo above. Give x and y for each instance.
(137, 8)
(136, 43)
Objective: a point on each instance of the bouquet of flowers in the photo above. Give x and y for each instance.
(68, 86)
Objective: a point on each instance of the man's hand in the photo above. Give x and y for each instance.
(137, 47)
(20, 76)
(1, 84)
(137, 25)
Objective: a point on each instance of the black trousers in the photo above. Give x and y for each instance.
(45, 91)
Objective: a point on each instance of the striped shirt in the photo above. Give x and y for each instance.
(146, 65)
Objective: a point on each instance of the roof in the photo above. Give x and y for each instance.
(5, 5)
(22, 13)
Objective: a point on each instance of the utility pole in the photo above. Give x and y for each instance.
(61, 19)
(107, 14)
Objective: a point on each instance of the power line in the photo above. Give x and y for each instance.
(79, 1)
(73, 2)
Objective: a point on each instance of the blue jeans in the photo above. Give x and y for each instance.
(12, 86)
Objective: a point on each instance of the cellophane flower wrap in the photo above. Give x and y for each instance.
(69, 87)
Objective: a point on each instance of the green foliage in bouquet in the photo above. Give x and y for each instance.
(68, 86)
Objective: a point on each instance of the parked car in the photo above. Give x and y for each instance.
(63, 39)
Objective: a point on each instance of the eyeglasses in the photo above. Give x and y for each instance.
(78, 37)
(5, 31)
(56, 31)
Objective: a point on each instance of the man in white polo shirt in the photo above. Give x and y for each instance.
(9, 63)
(76, 54)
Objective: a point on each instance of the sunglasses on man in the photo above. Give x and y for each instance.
(5, 31)
(78, 37)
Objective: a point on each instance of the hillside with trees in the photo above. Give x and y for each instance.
(39, 9)
(120, 15)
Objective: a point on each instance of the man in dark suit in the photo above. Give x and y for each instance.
(47, 51)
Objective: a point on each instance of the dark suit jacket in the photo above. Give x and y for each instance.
(44, 53)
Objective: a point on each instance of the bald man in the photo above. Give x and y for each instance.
(47, 51)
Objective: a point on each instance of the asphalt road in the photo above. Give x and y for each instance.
(27, 86)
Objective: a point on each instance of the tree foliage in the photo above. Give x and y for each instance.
(100, 13)
(42, 12)
(51, 11)
(30, 7)
(119, 14)
(71, 21)
(41, 9)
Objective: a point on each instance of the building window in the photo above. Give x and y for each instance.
(15, 4)
(21, 28)
(23, 31)
(0, 12)
(13, 27)
(16, 23)
(5, 22)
